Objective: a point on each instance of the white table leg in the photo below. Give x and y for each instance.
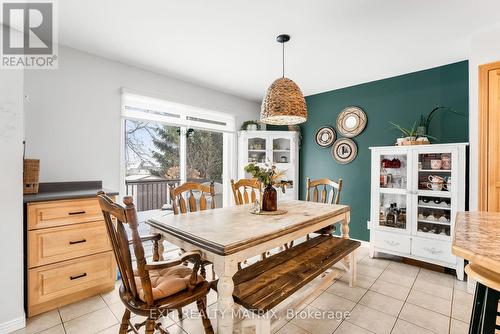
(352, 269)
(225, 269)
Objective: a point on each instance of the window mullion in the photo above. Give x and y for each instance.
(183, 154)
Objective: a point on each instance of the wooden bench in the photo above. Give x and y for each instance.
(264, 284)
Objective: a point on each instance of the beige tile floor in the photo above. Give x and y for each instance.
(390, 297)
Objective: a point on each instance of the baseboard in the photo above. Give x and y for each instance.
(363, 243)
(13, 325)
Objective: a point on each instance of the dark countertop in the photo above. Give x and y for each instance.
(67, 190)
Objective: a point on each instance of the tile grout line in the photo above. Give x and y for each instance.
(405, 301)
(451, 306)
(368, 289)
(62, 322)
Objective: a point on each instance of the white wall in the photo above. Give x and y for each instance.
(73, 113)
(485, 48)
(11, 200)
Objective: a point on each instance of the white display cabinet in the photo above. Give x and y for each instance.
(416, 192)
(280, 148)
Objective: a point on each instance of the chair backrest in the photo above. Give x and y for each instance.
(181, 204)
(241, 196)
(119, 239)
(329, 194)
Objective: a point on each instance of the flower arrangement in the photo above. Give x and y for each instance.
(266, 175)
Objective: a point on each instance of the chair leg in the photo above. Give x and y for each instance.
(125, 322)
(213, 273)
(150, 326)
(202, 308)
(203, 271)
(179, 312)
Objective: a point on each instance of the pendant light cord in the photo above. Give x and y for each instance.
(283, 60)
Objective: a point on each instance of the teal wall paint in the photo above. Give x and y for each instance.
(399, 99)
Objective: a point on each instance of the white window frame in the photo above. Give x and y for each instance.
(183, 116)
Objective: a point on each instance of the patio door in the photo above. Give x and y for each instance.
(167, 144)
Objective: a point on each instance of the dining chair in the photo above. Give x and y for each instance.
(241, 189)
(156, 288)
(330, 193)
(323, 191)
(184, 201)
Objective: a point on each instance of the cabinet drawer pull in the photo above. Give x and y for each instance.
(78, 276)
(433, 250)
(77, 242)
(76, 213)
(391, 242)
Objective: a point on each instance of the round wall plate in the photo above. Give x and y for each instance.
(344, 151)
(325, 137)
(351, 121)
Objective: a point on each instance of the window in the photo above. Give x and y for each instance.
(168, 144)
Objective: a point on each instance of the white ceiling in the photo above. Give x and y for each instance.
(229, 45)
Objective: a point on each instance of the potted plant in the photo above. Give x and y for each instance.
(410, 135)
(250, 125)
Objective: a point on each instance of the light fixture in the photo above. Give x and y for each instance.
(284, 103)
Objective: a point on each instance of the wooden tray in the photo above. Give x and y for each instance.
(270, 213)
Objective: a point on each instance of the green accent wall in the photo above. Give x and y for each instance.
(400, 100)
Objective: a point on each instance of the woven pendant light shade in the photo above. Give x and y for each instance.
(284, 104)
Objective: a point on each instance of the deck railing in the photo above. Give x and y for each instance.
(150, 194)
(153, 194)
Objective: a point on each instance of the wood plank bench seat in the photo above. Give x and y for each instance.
(264, 284)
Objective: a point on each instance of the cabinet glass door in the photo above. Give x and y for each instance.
(435, 201)
(282, 159)
(256, 150)
(394, 199)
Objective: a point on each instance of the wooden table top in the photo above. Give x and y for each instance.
(227, 230)
(477, 239)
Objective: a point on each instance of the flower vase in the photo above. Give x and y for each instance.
(270, 199)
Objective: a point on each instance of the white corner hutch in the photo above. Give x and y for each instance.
(280, 148)
(409, 219)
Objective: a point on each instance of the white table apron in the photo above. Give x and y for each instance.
(225, 266)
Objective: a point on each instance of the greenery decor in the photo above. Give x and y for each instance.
(266, 175)
(425, 121)
(247, 123)
(407, 132)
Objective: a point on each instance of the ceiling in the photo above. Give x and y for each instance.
(230, 46)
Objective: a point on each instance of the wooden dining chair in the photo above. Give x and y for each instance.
(323, 191)
(184, 201)
(156, 288)
(242, 187)
(330, 193)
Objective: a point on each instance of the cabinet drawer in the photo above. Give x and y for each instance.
(61, 280)
(433, 249)
(392, 241)
(56, 244)
(65, 212)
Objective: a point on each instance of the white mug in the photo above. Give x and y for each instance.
(436, 186)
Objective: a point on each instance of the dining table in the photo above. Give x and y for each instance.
(477, 239)
(228, 236)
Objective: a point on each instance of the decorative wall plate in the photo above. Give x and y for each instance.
(325, 136)
(351, 121)
(344, 151)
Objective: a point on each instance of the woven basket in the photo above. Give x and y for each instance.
(30, 176)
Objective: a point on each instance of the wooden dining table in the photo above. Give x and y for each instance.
(231, 235)
(476, 239)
